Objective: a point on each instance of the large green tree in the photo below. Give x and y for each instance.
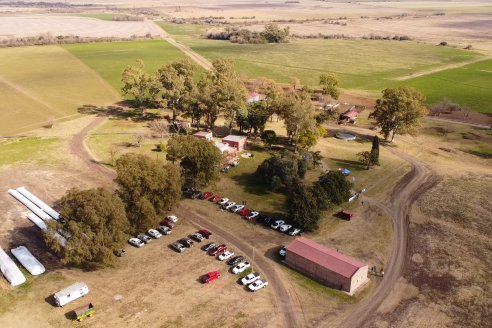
(148, 188)
(399, 111)
(96, 222)
(335, 186)
(302, 207)
(281, 170)
(375, 150)
(177, 85)
(329, 85)
(274, 34)
(142, 86)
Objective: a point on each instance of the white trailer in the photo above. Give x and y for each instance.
(71, 293)
(28, 260)
(10, 270)
(38, 202)
(30, 205)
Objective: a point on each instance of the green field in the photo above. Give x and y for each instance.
(101, 16)
(43, 83)
(32, 150)
(360, 64)
(109, 59)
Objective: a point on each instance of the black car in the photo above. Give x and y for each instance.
(187, 242)
(209, 246)
(235, 260)
(196, 194)
(267, 221)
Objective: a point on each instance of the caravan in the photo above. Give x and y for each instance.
(71, 293)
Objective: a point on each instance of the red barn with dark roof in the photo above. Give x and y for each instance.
(326, 265)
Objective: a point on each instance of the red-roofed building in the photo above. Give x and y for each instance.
(326, 265)
(203, 135)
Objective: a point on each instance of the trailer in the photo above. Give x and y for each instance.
(71, 293)
(30, 205)
(28, 260)
(84, 311)
(39, 203)
(10, 270)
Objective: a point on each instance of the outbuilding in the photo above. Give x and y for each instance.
(238, 142)
(326, 265)
(203, 135)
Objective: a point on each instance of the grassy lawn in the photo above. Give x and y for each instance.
(101, 16)
(109, 59)
(32, 150)
(43, 83)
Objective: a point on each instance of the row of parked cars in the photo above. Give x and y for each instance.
(165, 228)
(227, 204)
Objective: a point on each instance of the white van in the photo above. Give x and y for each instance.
(71, 293)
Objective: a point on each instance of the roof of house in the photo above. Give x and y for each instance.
(350, 114)
(224, 147)
(234, 138)
(326, 257)
(202, 133)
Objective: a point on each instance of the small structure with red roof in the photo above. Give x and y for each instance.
(203, 135)
(253, 97)
(349, 116)
(237, 142)
(326, 265)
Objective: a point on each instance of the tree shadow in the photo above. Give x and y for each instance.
(221, 131)
(349, 164)
(121, 112)
(251, 183)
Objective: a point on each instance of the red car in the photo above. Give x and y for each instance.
(211, 276)
(244, 212)
(215, 199)
(167, 223)
(217, 250)
(207, 194)
(205, 233)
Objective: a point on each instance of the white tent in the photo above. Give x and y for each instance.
(10, 270)
(28, 260)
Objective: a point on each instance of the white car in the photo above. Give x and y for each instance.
(252, 215)
(223, 201)
(277, 224)
(228, 205)
(285, 227)
(136, 242)
(154, 233)
(165, 230)
(252, 277)
(294, 231)
(283, 251)
(236, 208)
(240, 267)
(225, 255)
(258, 284)
(172, 218)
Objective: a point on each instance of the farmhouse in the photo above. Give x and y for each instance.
(237, 142)
(326, 265)
(203, 135)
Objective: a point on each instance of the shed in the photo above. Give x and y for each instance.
(203, 135)
(350, 116)
(326, 265)
(10, 270)
(28, 260)
(224, 148)
(237, 142)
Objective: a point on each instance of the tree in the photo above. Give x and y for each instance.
(281, 170)
(177, 85)
(255, 118)
(335, 185)
(139, 84)
(375, 150)
(159, 127)
(96, 222)
(366, 158)
(329, 83)
(299, 115)
(302, 207)
(147, 187)
(269, 137)
(274, 34)
(399, 111)
(308, 138)
(199, 159)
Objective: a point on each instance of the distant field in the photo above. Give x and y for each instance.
(469, 85)
(101, 16)
(42, 83)
(110, 59)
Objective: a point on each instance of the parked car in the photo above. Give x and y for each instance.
(267, 220)
(285, 227)
(207, 194)
(187, 242)
(167, 223)
(275, 225)
(164, 230)
(252, 277)
(196, 194)
(215, 199)
(197, 236)
(258, 284)
(236, 208)
(228, 205)
(240, 267)
(252, 215)
(136, 242)
(283, 251)
(154, 233)
(211, 276)
(208, 247)
(244, 212)
(178, 247)
(225, 255)
(217, 250)
(172, 218)
(187, 192)
(143, 237)
(235, 260)
(223, 201)
(346, 215)
(205, 233)
(294, 231)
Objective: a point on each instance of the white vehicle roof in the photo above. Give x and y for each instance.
(10, 270)
(28, 260)
(70, 289)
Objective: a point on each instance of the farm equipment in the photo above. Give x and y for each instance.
(84, 311)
